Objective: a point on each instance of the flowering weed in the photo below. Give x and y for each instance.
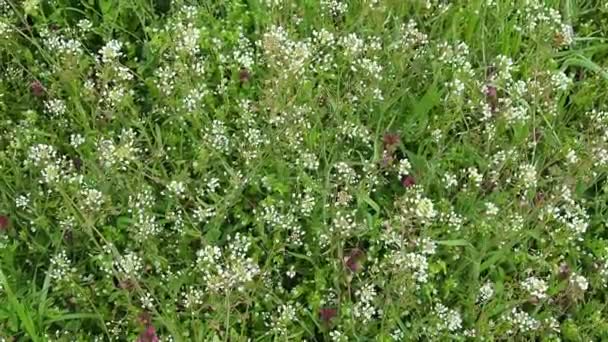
(413, 170)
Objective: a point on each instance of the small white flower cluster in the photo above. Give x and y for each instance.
(337, 336)
(560, 81)
(203, 215)
(603, 272)
(145, 224)
(177, 189)
(61, 267)
(5, 30)
(535, 287)
(537, 17)
(353, 131)
(491, 209)
(452, 219)
(147, 301)
(244, 54)
(85, 25)
(412, 38)
(61, 45)
(308, 161)
(194, 99)
(449, 319)
(277, 220)
(520, 321)
(76, 140)
(415, 206)
(324, 43)
(571, 157)
(414, 264)
(92, 199)
(306, 202)
(228, 268)
(165, 79)
(253, 142)
(285, 316)
(527, 176)
(449, 180)
(192, 297)
(285, 54)
(344, 224)
(353, 45)
(334, 8)
(486, 292)
(129, 265)
(474, 176)
(217, 137)
(55, 107)
(188, 37)
(405, 168)
(22, 201)
(122, 155)
(364, 308)
(514, 113)
(110, 52)
(579, 281)
(345, 174)
(569, 214)
(54, 168)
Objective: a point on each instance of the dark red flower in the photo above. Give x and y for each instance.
(77, 163)
(492, 97)
(539, 198)
(37, 88)
(244, 75)
(4, 222)
(353, 260)
(491, 91)
(408, 181)
(327, 314)
(564, 271)
(148, 335)
(390, 141)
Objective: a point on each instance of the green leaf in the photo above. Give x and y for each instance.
(20, 309)
(454, 243)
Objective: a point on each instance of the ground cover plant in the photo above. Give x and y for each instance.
(274, 170)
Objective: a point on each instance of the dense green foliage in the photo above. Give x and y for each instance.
(370, 170)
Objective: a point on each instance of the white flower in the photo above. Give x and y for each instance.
(521, 321)
(579, 281)
(425, 209)
(491, 209)
(22, 201)
(177, 188)
(55, 107)
(60, 266)
(364, 309)
(536, 287)
(571, 157)
(92, 199)
(334, 7)
(450, 319)
(76, 140)
(130, 265)
(485, 292)
(405, 168)
(111, 51)
(528, 176)
(85, 24)
(449, 180)
(475, 178)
